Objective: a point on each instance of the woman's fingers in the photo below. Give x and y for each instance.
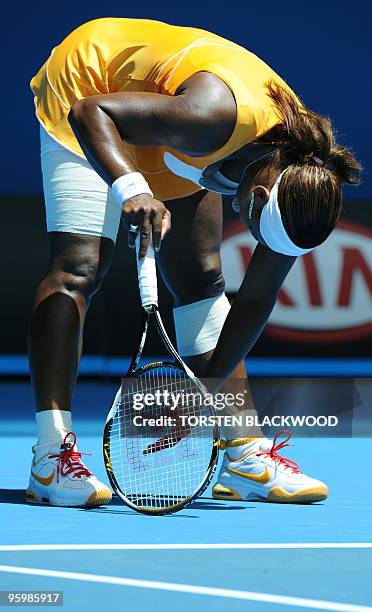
(161, 224)
(166, 223)
(132, 235)
(147, 215)
(156, 223)
(145, 230)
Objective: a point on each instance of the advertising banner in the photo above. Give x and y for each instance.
(325, 304)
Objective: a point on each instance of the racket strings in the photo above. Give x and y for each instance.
(158, 465)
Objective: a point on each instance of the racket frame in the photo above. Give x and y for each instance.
(133, 371)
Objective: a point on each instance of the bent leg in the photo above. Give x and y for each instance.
(190, 265)
(82, 220)
(78, 264)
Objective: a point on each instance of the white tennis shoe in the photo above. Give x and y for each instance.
(60, 478)
(264, 475)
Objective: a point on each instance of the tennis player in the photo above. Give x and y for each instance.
(150, 123)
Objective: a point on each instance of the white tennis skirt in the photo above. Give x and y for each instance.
(77, 200)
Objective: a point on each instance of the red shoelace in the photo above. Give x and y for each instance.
(273, 452)
(69, 460)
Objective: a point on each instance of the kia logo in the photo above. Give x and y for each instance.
(326, 296)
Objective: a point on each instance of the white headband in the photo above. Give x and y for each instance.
(272, 228)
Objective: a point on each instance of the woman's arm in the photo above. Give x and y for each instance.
(250, 311)
(197, 120)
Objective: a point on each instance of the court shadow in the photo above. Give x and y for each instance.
(216, 505)
(12, 496)
(133, 513)
(17, 496)
(203, 503)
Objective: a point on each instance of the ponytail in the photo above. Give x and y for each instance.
(310, 192)
(303, 133)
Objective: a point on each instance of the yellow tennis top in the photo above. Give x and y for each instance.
(113, 54)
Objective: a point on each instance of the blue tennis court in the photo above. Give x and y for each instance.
(236, 554)
(206, 107)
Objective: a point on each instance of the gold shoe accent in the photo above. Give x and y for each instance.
(99, 498)
(264, 477)
(220, 492)
(44, 480)
(306, 496)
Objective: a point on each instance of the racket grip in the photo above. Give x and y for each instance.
(147, 278)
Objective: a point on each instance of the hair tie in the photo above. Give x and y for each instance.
(317, 160)
(313, 159)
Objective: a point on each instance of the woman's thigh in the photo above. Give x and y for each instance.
(189, 258)
(77, 200)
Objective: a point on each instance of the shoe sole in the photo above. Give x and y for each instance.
(98, 498)
(277, 495)
(306, 496)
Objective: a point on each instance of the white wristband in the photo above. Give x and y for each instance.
(128, 186)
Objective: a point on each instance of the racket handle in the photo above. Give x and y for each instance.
(147, 278)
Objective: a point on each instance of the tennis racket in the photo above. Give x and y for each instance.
(159, 455)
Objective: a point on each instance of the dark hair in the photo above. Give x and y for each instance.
(309, 195)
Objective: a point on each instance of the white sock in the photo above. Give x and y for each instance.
(52, 426)
(236, 453)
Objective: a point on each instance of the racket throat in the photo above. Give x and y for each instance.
(141, 339)
(168, 344)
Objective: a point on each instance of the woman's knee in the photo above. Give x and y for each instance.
(81, 278)
(198, 280)
(190, 257)
(79, 265)
(206, 279)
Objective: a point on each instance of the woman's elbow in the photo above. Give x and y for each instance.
(80, 110)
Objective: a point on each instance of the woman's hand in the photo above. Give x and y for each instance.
(151, 217)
